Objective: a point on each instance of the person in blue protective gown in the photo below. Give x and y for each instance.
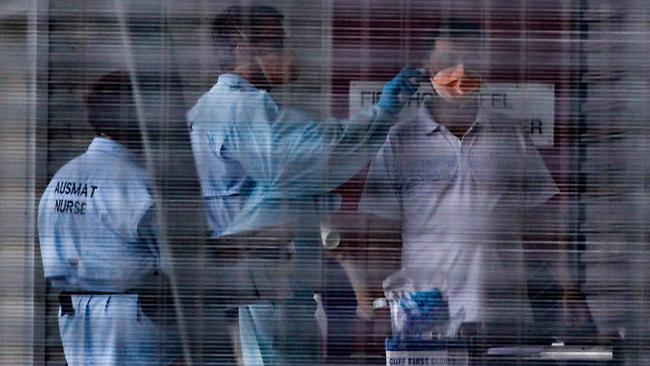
(267, 169)
(98, 243)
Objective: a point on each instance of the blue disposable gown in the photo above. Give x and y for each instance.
(262, 166)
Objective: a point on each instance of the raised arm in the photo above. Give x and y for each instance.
(295, 155)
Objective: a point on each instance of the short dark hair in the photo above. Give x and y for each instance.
(111, 106)
(456, 28)
(261, 24)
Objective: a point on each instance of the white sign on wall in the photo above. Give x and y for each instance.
(532, 103)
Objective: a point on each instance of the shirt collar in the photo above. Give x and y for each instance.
(426, 122)
(234, 81)
(104, 145)
(428, 125)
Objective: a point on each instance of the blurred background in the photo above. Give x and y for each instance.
(586, 60)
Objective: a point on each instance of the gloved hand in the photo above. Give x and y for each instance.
(424, 312)
(400, 84)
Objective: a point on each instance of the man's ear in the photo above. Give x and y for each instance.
(243, 59)
(242, 50)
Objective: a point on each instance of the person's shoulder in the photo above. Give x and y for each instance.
(220, 97)
(406, 129)
(292, 114)
(133, 180)
(194, 113)
(101, 165)
(71, 171)
(206, 98)
(259, 98)
(136, 167)
(499, 122)
(73, 166)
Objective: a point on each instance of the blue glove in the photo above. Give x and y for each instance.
(422, 304)
(424, 311)
(389, 99)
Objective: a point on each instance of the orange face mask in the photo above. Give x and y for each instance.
(453, 83)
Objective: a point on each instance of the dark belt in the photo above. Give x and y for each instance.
(65, 299)
(155, 298)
